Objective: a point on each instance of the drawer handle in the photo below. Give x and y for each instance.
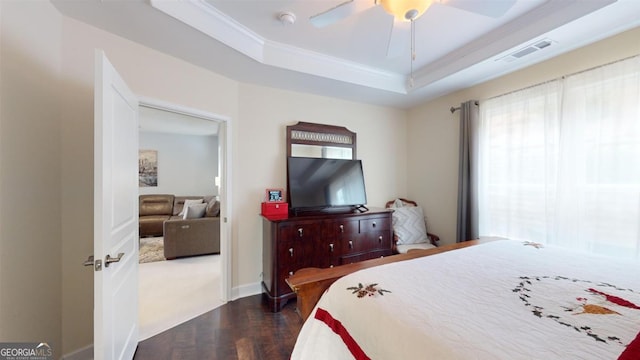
(341, 228)
(350, 244)
(380, 238)
(291, 252)
(290, 272)
(331, 265)
(374, 224)
(300, 231)
(331, 247)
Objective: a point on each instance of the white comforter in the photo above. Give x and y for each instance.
(500, 300)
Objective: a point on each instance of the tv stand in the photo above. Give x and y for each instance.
(321, 240)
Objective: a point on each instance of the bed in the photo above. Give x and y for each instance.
(502, 299)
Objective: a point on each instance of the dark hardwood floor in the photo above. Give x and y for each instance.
(243, 329)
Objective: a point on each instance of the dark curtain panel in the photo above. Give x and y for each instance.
(467, 175)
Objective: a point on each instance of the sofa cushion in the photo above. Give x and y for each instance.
(213, 209)
(178, 204)
(188, 203)
(194, 211)
(151, 225)
(156, 204)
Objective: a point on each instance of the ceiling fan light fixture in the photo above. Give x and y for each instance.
(405, 10)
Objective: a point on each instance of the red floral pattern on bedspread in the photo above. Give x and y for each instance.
(601, 304)
(369, 290)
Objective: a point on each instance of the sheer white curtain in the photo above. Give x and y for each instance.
(560, 162)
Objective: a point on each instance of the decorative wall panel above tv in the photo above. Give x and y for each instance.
(318, 140)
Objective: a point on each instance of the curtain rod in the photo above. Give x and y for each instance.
(454, 109)
(565, 76)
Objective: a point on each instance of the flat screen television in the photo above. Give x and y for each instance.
(325, 184)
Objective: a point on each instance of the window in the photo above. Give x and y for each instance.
(560, 162)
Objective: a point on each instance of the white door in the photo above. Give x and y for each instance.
(115, 215)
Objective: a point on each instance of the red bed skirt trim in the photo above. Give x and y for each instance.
(632, 352)
(337, 327)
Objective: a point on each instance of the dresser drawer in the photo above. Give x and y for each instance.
(371, 241)
(377, 240)
(300, 231)
(350, 259)
(375, 224)
(342, 227)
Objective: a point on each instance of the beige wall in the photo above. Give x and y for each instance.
(260, 154)
(46, 155)
(58, 151)
(30, 228)
(433, 130)
(148, 73)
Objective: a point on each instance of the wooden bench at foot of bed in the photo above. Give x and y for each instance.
(310, 283)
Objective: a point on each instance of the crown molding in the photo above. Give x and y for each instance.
(205, 18)
(507, 38)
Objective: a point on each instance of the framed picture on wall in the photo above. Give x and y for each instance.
(148, 168)
(274, 195)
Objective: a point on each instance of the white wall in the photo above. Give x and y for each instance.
(30, 229)
(187, 164)
(433, 130)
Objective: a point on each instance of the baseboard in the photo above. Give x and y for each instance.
(85, 353)
(246, 290)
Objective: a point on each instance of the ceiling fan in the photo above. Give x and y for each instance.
(404, 12)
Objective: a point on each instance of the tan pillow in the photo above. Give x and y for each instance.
(213, 208)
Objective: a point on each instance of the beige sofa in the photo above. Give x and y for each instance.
(160, 216)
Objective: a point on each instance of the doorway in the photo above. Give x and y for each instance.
(174, 291)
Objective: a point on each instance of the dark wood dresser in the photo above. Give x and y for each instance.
(321, 241)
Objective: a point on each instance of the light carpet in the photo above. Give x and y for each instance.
(174, 291)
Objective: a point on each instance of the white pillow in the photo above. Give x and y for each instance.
(187, 203)
(195, 211)
(408, 225)
(398, 203)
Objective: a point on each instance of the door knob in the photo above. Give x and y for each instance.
(108, 259)
(97, 264)
(89, 261)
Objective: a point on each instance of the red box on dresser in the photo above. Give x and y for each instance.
(279, 210)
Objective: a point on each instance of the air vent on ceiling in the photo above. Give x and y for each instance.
(527, 50)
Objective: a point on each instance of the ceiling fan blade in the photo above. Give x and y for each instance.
(490, 8)
(339, 12)
(399, 38)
